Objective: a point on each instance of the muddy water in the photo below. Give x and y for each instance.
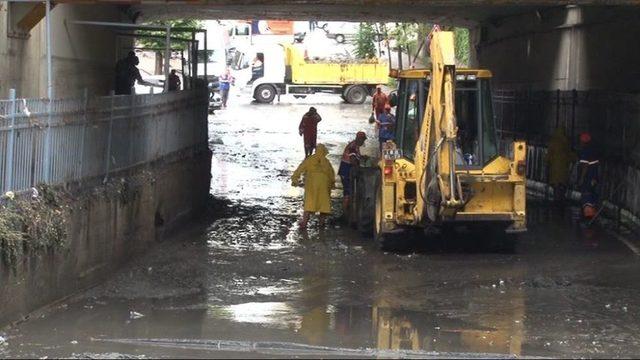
(249, 284)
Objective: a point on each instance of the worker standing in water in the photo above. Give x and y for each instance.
(350, 157)
(379, 101)
(588, 176)
(559, 158)
(308, 129)
(319, 179)
(386, 124)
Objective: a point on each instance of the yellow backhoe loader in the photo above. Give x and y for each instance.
(443, 169)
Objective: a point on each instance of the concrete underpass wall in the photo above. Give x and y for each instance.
(158, 179)
(570, 67)
(108, 226)
(83, 57)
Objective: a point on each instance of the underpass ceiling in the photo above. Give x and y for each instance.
(458, 12)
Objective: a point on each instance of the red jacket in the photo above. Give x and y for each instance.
(308, 128)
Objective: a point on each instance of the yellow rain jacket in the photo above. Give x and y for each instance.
(319, 179)
(559, 156)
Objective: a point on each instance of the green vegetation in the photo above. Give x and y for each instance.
(157, 44)
(463, 46)
(31, 224)
(160, 43)
(365, 41)
(409, 35)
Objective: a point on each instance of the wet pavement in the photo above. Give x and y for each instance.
(250, 284)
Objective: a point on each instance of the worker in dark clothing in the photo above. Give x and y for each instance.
(174, 81)
(588, 176)
(308, 129)
(386, 126)
(350, 157)
(127, 74)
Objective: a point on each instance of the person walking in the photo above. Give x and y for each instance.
(588, 176)
(380, 100)
(226, 80)
(350, 157)
(174, 81)
(559, 158)
(319, 179)
(386, 126)
(308, 129)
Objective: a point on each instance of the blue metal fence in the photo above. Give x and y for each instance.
(58, 141)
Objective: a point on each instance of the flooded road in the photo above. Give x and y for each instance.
(250, 284)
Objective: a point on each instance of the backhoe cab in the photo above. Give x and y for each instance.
(444, 167)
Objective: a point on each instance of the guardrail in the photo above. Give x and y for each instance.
(58, 141)
(611, 118)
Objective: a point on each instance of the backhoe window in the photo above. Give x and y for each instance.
(489, 143)
(468, 151)
(409, 114)
(476, 143)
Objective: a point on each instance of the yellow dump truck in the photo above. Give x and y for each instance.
(283, 69)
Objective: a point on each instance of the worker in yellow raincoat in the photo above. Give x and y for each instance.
(319, 179)
(559, 158)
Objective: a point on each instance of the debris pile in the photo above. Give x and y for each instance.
(33, 222)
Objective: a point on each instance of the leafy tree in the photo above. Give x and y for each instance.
(461, 38)
(159, 43)
(365, 38)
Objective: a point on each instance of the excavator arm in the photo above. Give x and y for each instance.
(435, 153)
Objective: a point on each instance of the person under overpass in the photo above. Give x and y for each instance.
(319, 179)
(308, 129)
(351, 158)
(127, 74)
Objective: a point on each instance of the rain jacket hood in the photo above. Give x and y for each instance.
(321, 151)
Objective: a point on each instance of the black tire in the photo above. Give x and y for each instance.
(382, 239)
(299, 96)
(498, 240)
(340, 38)
(377, 37)
(265, 93)
(364, 187)
(356, 94)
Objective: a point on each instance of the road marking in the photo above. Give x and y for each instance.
(629, 244)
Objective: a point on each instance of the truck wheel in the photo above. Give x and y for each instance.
(356, 94)
(340, 39)
(265, 93)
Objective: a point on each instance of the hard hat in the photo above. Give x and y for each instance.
(361, 135)
(585, 137)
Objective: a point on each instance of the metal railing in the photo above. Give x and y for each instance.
(611, 118)
(59, 141)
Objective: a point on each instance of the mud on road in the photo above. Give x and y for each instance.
(248, 283)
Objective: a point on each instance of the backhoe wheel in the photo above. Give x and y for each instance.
(355, 94)
(385, 241)
(265, 93)
(364, 190)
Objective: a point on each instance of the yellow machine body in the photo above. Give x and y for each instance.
(491, 190)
